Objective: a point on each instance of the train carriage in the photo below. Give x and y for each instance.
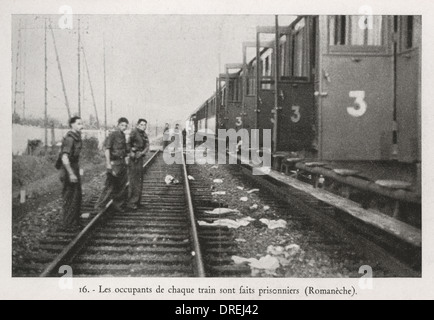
(356, 89)
(344, 88)
(233, 97)
(248, 111)
(211, 115)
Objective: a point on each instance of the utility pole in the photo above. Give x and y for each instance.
(111, 111)
(60, 72)
(24, 70)
(17, 68)
(46, 89)
(91, 88)
(79, 70)
(105, 90)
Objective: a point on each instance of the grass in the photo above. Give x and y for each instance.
(38, 176)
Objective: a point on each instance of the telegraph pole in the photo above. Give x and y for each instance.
(60, 72)
(91, 89)
(111, 111)
(24, 70)
(105, 91)
(45, 93)
(79, 69)
(17, 67)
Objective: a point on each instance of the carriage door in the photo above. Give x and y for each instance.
(407, 87)
(233, 85)
(265, 81)
(221, 102)
(296, 91)
(248, 88)
(356, 88)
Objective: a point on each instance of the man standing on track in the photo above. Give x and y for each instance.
(139, 145)
(70, 174)
(166, 135)
(116, 155)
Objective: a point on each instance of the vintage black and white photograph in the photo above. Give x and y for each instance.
(216, 145)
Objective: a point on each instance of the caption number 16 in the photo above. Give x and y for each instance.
(360, 102)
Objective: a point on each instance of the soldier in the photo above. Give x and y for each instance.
(139, 145)
(70, 174)
(177, 138)
(116, 155)
(184, 137)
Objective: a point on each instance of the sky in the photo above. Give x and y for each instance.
(160, 67)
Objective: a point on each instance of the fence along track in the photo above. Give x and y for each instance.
(158, 240)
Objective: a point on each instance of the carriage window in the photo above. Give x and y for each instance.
(410, 32)
(299, 51)
(284, 67)
(251, 81)
(266, 70)
(251, 86)
(234, 90)
(267, 65)
(356, 30)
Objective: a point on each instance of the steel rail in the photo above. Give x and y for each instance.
(71, 250)
(200, 269)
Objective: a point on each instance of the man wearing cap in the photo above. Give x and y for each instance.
(116, 155)
(139, 145)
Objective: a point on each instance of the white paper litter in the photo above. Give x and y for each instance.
(214, 167)
(244, 199)
(85, 215)
(217, 181)
(228, 222)
(218, 193)
(239, 260)
(289, 251)
(222, 211)
(273, 224)
(254, 207)
(241, 188)
(276, 256)
(267, 262)
(264, 263)
(284, 255)
(170, 180)
(266, 208)
(253, 190)
(190, 177)
(240, 240)
(275, 250)
(292, 249)
(261, 171)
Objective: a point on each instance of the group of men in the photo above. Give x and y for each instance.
(123, 161)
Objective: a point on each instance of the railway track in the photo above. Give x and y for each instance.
(160, 239)
(163, 239)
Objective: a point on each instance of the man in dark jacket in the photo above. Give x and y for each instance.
(139, 145)
(70, 174)
(116, 155)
